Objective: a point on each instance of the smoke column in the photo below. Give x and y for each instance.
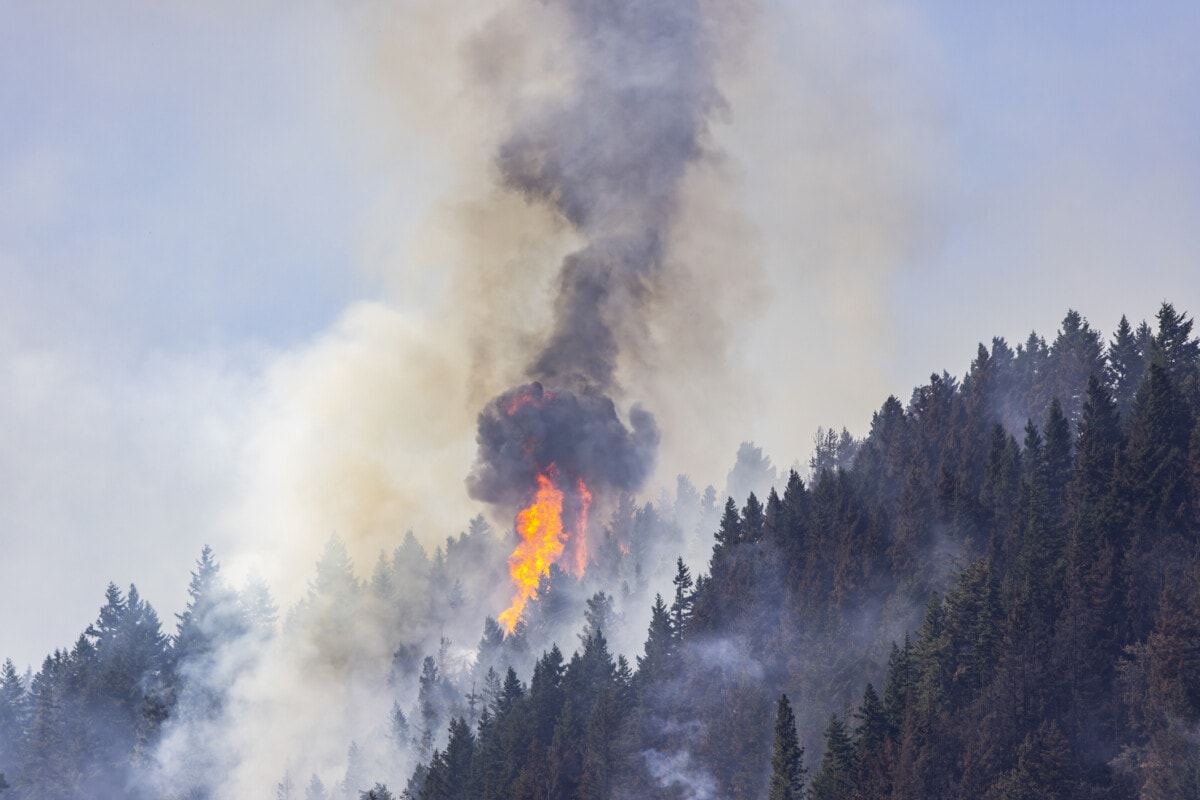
(608, 157)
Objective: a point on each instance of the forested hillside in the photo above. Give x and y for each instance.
(994, 594)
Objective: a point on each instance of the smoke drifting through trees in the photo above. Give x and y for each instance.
(1054, 652)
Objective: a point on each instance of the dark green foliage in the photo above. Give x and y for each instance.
(1127, 359)
(1156, 453)
(873, 737)
(1076, 355)
(839, 766)
(787, 756)
(685, 599)
(450, 769)
(1173, 347)
(1043, 770)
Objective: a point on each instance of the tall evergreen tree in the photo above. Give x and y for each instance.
(599, 616)
(212, 613)
(681, 608)
(836, 779)
(1159, 436)
(315, 790)
(1173, 348)
(787, 756)
(1126, 365)
(1076, 354)
(14, 716)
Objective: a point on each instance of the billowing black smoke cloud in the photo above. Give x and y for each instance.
(526, 430)
(609, 158)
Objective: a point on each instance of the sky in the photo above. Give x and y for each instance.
(235, 245)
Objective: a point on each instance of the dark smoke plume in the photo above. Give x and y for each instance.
(526, 430)
(609, 158)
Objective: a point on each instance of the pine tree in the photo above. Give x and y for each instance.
(752, 471)
(511, 692)
(355, 776)
(1043, 770)
(14, 716)
(460, 749)
(1126, 365)
(901, 685)
(212, 614)
(787, 756)
(46, 767)
(399, 730)
(1173, 348)
(1173, 650)
(730, 531)
(1159, 436)
(753, 519)
(599, 616)
(1076, 354)
(836, 778)
(383, 581)
(259, 611)
(872, 739)
(603, 757)
(546, 696)
(681, 608)
(1057, 454)
(973, 618)
(315, 790)
(659, 660)
(286, 789)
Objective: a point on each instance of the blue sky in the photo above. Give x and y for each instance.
(205, 218)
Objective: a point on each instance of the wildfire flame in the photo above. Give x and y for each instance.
(523, 399)
(579, 540)
(543, 542)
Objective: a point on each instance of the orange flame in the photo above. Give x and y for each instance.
(543, 541)
(579, 540)
(527, 399)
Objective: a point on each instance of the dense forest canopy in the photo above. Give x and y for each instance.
(994, 594)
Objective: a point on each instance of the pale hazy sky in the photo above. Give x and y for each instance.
(204, 216)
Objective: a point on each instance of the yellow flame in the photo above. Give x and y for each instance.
(541, 530)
